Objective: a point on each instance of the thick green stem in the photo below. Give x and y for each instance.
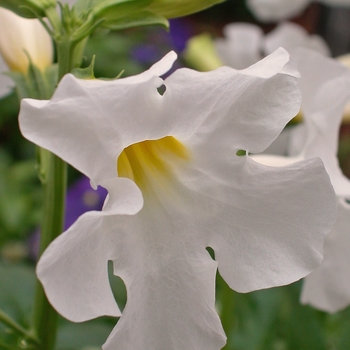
(54, 187)
(53, 173)
(69, 55)
(65, 55)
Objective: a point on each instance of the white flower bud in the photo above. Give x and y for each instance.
(20, 37)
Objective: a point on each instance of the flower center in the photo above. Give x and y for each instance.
(152, 163)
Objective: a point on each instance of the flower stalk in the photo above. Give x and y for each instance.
(54, 188)
(53, 175)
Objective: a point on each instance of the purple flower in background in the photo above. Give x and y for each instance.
(180, 32)
(81, 197)
(159, 42)
(146, 53)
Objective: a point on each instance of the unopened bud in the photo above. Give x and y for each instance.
(21, 39)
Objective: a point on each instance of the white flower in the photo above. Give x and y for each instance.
(241, 46)
(291, 35)
(245, 44)
(20, 37)
(325, 86)
(277, 10)
(181, 188)
(328, 288)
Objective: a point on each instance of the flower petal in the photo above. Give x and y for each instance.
(241, 46)
(289, 35)
(81, 109)
(276, 238)
(160, 255)
(280, 145)
(276, 10)
(328, 288)
(73, 269)
(170, 284)
(325, 85)
(227, 110)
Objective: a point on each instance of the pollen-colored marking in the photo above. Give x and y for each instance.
(152, 161)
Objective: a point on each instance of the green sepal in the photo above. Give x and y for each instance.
(113, 9)
(88, 72)
(28, 8)
(85, 73)
(179, 8)
(36, 83)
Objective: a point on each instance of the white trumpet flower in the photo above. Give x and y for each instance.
(177, 186)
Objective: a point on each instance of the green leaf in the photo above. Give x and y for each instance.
(104, 6)
(113, 10)
(144, 18)
(179, 8)
(120, 14)
(28, 8)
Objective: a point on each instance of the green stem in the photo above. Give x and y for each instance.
(54, 187)
(6, 319)
(69, 54)
(53, 173)
(65, 56)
